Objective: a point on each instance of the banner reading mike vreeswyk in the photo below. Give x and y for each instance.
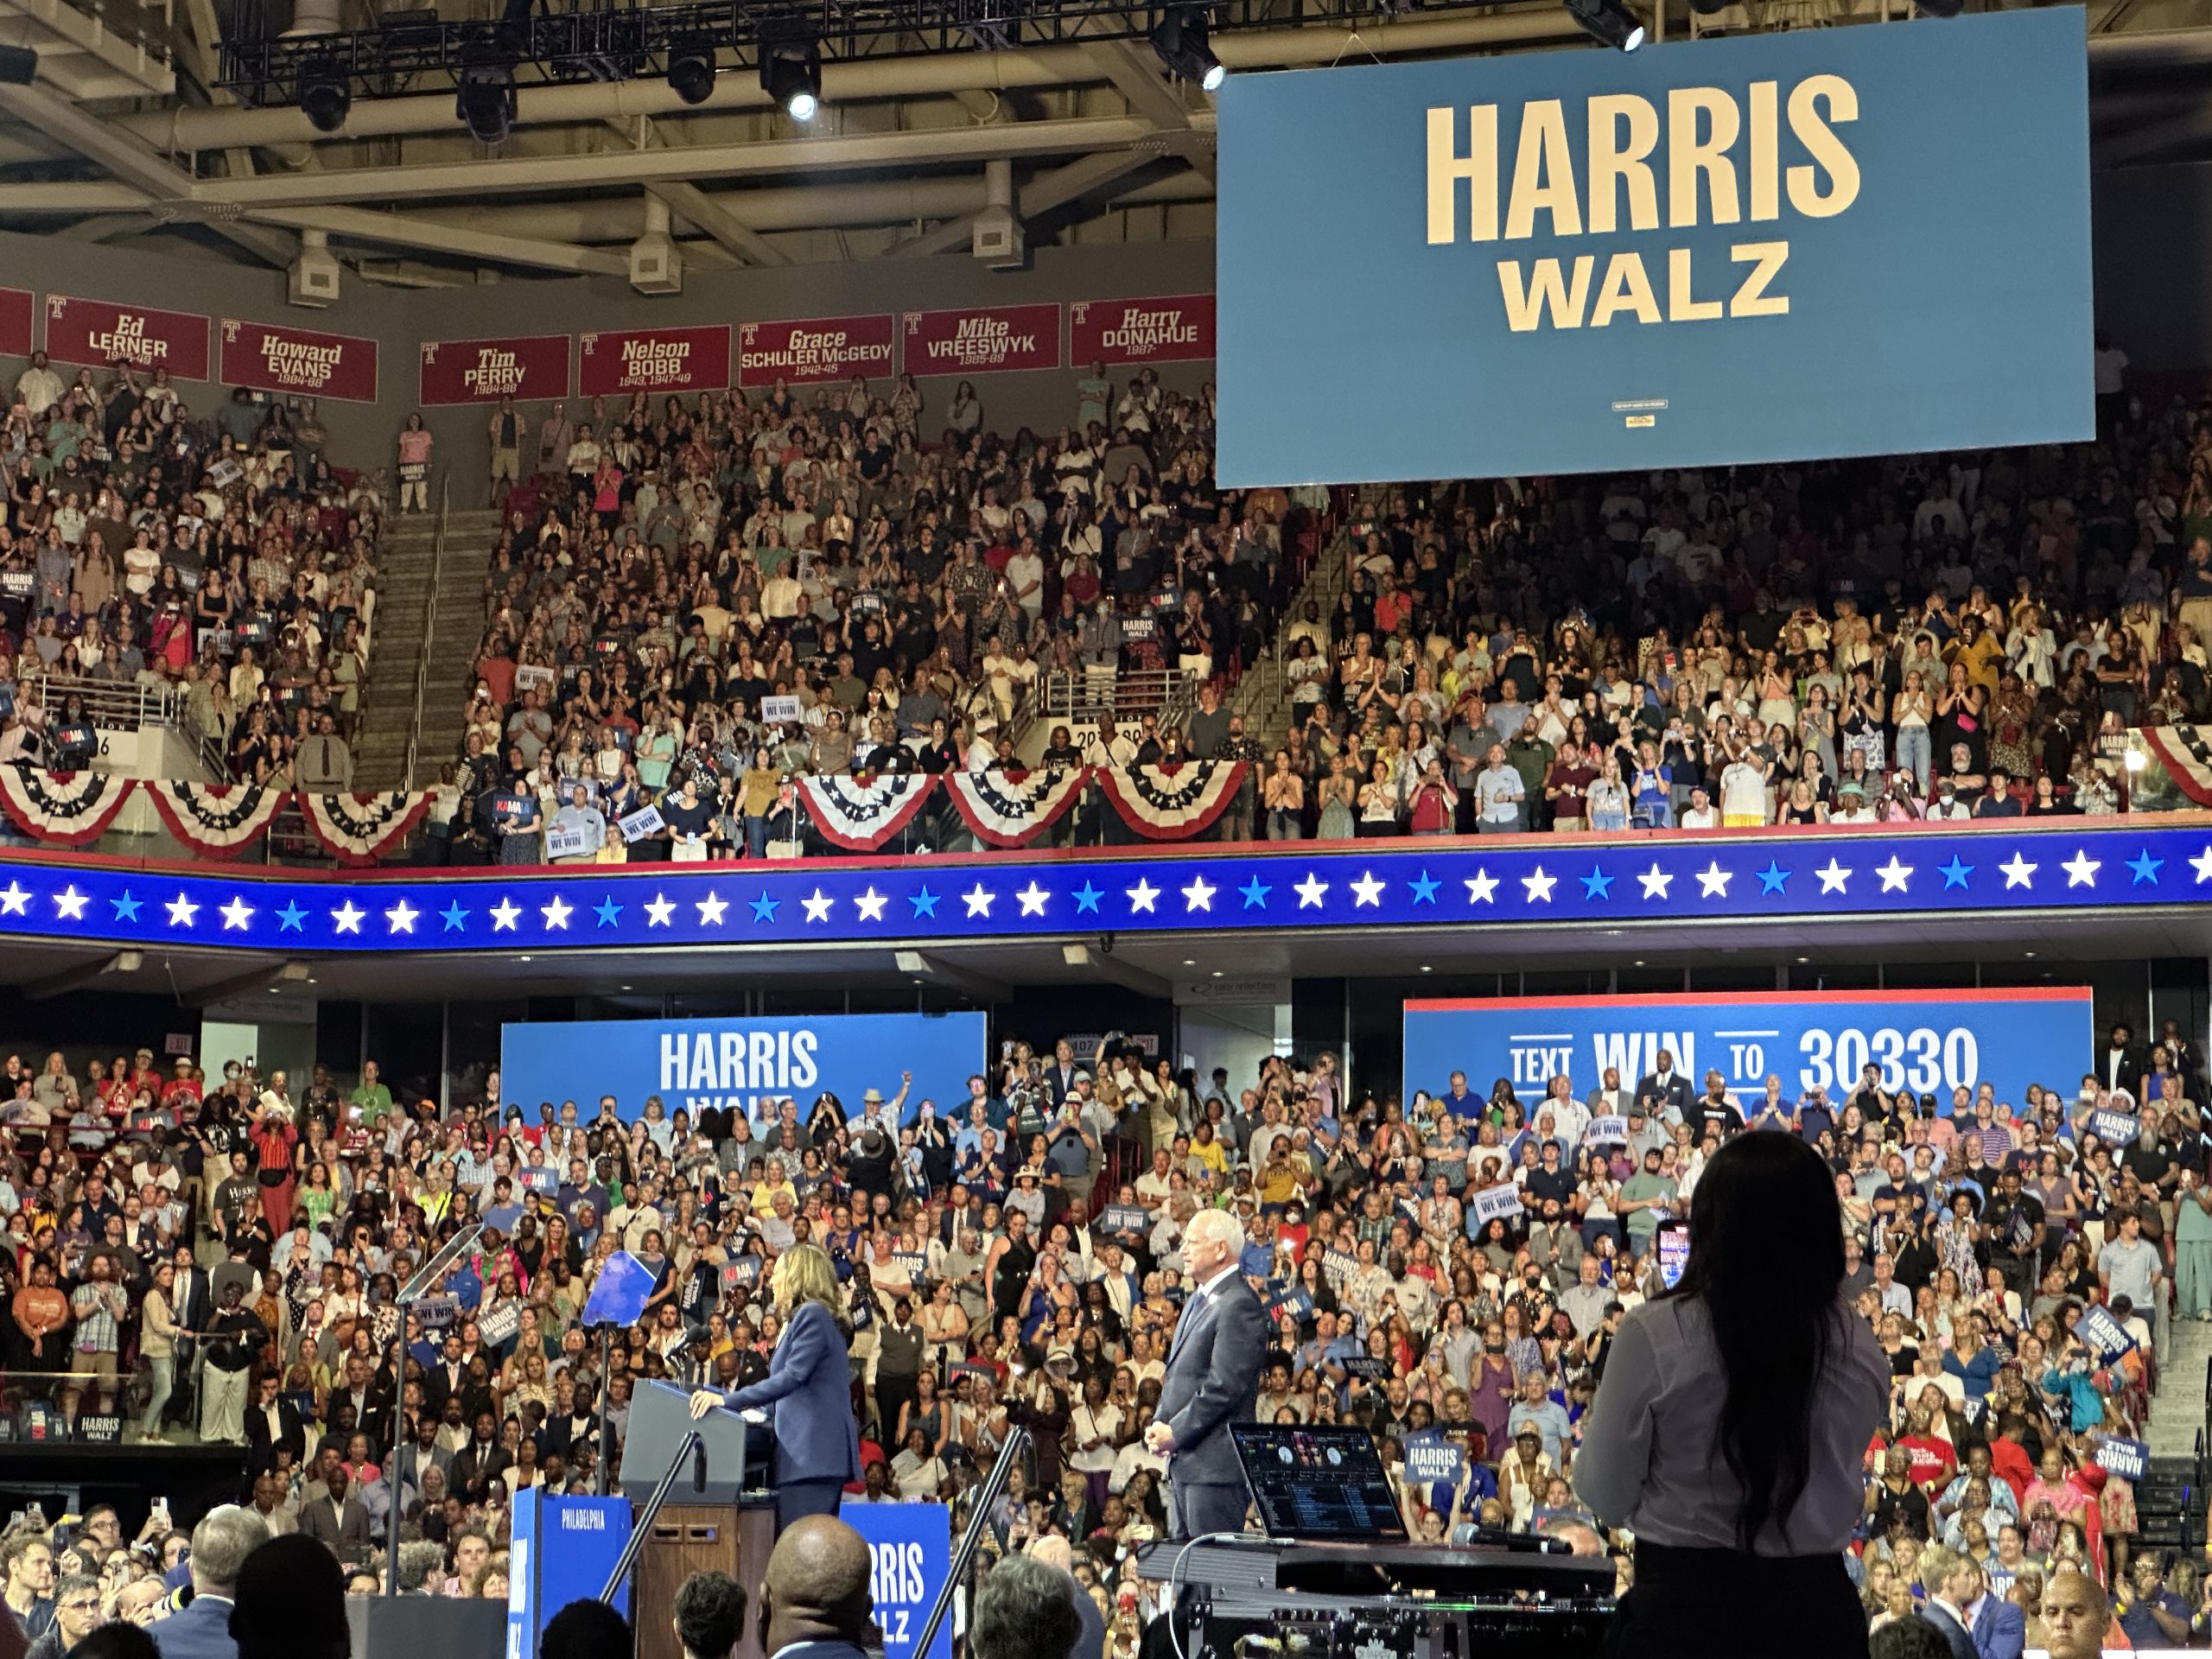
(743, 1063)
(1832, 242)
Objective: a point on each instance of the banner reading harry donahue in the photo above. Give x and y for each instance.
(985, 338)
(814, 350)
(270, 356)
(485, 370)
(653, 360)
(100, 332)
(1171, 329)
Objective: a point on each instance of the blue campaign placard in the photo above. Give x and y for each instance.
(620, 1295)
(911, 1545)
(2104, 1336)
(1827, 242)
(561, 1550)
(1930, 1042)
(2129, 1459)
(699, 1064)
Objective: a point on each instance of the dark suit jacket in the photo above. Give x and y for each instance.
(1675, 1093)
(809, 1386)
(260, 1451)
(1212, 1380)
(2131, 1070)
(200, 1631)
(345, 1531)
(1960, 1640)
(2000, 1630)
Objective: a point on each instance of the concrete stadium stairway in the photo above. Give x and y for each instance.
(2170, 1503)
(404, 620)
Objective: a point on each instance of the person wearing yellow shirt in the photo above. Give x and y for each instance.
(1206, 1147)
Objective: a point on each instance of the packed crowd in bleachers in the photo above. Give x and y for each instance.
(224, 1252)
(216, 555)
(1845, 642)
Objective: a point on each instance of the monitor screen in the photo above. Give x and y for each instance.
(1319, 1483)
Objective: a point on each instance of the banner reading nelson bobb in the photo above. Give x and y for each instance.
(485, 370)
(699, 1064)
(269, 357)
(100, 332)
(814, 350)
(653, 360)
(1830, 242)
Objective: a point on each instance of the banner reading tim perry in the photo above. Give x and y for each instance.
(1764, 248)
(269, 357)
(485, 370)
(1171, 329)
(100, 332)
(982, 337)
(816, 349)
(653, 360)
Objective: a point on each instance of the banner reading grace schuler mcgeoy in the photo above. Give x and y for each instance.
(1834, 242)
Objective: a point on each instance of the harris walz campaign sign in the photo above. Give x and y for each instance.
(1771, 247)
(724, 1065)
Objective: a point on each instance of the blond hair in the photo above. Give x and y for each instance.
(803, 1273)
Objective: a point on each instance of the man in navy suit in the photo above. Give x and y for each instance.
(1666, 1091)
(1212, 1380)
(220, 1543)
(1977, 1625)
(814, 1600)
(809, 1386)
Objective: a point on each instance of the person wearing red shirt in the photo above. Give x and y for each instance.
(1933, 1462)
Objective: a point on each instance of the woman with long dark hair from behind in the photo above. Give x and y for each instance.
(1742, 1498)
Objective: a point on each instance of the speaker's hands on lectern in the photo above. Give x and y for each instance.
(704, 1401)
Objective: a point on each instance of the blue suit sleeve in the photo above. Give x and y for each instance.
(797, 1358)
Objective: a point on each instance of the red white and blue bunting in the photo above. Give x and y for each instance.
(62, 809)
(1172, 802)
(1012, 809)
(362, 829)
(2187, 751)
(216, 820)
(861, 811)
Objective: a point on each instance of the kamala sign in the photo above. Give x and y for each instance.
(1830, 242)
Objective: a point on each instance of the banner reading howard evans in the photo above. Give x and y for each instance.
(1832, 242)
(485, 370)
(1926, 1042)
(269, 357)
(810, 352)
(742, 1064)
(653, 360)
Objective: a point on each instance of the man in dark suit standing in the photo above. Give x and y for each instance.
(1212, 1380)
(195, 1310)
(337, 1520)
(1977, 1625)
(272, 1423)
(1664, 1090)
(220, 1543)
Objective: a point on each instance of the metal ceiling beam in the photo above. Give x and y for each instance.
(396, 231)
(1138, 77)
(75, 979)
(934, 967)
(829, 154)
(1040, 195)
(728, 229)
(1100, 962)
(87, 32)
(273, 970)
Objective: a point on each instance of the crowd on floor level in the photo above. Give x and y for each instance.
(218, 556)
(1852, 642)
(1447, 1270)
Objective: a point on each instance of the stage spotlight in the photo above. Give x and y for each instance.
(486, 104)
(1179, 38)
(692, 70)
(325, 96)
(791, 73)
(1609, 21)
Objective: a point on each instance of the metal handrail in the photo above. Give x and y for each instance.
(1081, 700)
(120, 706)
(429, 628)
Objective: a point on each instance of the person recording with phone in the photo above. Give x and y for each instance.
(1743, 1496)
(809, 1384)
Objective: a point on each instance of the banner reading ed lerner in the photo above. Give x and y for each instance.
(17, 306)
(485, 370)
(100, 332)
(1172, 328)
(993, 338)
(814, 349)
(653, 360)
(270, 356)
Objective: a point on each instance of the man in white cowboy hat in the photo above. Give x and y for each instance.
(879, 1114)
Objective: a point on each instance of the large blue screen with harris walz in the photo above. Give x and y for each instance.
(1830, 242)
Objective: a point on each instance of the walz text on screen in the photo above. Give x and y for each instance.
(1764, 248)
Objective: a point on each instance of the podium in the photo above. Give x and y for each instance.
(561, 1550)
(702, 1524)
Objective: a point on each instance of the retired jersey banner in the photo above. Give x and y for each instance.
(821, 348)
(100, 332)
(653, 360)
(269, 357)
(485, 370)
(1178, 329)
(1831, 242)
(987, 338)
(15, 319)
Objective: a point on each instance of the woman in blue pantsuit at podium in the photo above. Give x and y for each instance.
(810, 1385)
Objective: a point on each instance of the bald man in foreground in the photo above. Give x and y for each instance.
(815, 1602)
(2074, 1613)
